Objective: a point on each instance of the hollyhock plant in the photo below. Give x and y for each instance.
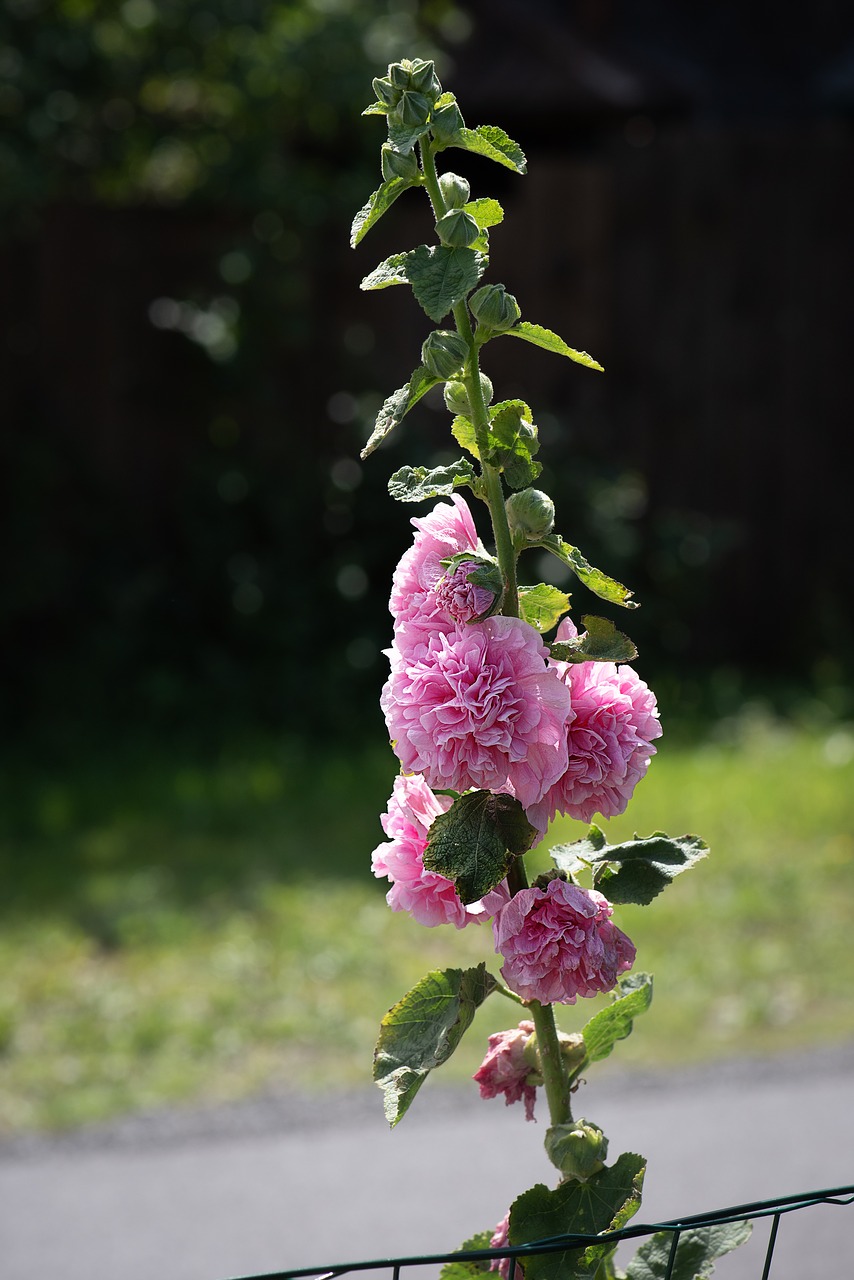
(559, 943)
(479, 707)
(609, 737)
(506, 1068)
(429, 898)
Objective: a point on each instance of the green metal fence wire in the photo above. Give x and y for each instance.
(773, 1209)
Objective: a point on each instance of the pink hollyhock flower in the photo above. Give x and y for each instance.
(559, 943)
(461, 600)
(501, 1238)
(429, 898)
(610, 735)
(506, 1070)
(443, 533)
(478, 707)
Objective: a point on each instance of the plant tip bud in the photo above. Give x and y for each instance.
(444, 353)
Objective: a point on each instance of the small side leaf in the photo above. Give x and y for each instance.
(465, 435)
(615, 1022)
(398, 405)
(549, 341)
(513, 443)
(601, 642)
(381, 200)
(415, 484)
(635, 871)
(542, 606)
(404, 136)
(605, 1202)
(391, 271)
(594, 579)
(475, 842)
(376, 109)
(490, 141)
(441, 277)
(696, 1253)
(423, 1029)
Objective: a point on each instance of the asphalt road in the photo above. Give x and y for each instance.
(290, 1182)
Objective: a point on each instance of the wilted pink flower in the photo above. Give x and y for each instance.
(461, 600)
(429, 898)
(443, 533)
(506, 1070)
(478, 707)
(610, 735)
(500, 1238)
(559, 943)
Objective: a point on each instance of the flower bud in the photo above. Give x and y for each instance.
(446, 122)
(455, 190)
(578, 1149)
(397, 164)
(413, 108)
(400, 74)
(444, 353)
(457, 229)
(386, 91)
(495, 308)
(531, 515)
(573, 1051)
(472, 587)
(457, 396)
(424, 80)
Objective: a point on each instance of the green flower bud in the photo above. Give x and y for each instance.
(578, 1149)
(386, 91)
(455, 190)
(424, 80)
(457, 396)
(531, 515)
(397, 164)
(413, 108)
(400, 74)
(457, 229)
(446, 122)
(495, 308)
(444, 353)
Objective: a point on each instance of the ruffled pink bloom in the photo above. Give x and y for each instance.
(429, 898)
(506, 1070)
(479, 707)
(610, 735)
(443, 533)
(559, 943)
(460, 599)
(501, 1238)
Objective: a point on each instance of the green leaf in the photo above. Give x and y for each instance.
(635, 871)
(381, 200)
(464, 433)
(376, 109)
(549, 341)
(542, 606)
(613, 1023)
(398, 405)
(605, 1202)
(391, 271)
(441, 277)
(485, 211)
(467, 1268)
(594, 579)
(490, 141)
(696, 1253)
(414, 484)
(475, 842)
(404, 136)
(423, 1029)
(513, 442)
(601, 642)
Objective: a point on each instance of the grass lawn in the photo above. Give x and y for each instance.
(175, 932)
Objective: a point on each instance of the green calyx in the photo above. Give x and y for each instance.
(578, 1149)
(457, 396)
(457, 229)
(444, 353)
(455, 190)
(531, 516)
(494, 308)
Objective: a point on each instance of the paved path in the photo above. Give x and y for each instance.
(296, 1182)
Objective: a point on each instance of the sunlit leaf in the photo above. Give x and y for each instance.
(549, 341)
(398, 405)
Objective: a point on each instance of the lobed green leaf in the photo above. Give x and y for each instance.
(415, 484)
(615, 1022)
(696, 1253)
(441, 276)
(594, 579)
(398, 405)
(493, 143)
(390, 271)
(513, 442)
(376, 109)
(601, 642)
(549, 341)
(462, 429)
(635, 871)
(542, 606)
(466, 1268)
(404, 136)
(423, 1029)
(475, 842)
(605, 1202)
(377, 204)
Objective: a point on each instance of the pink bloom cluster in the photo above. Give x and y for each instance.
(505, 1069)
(609, 737)
(559, 943)
(429, 898)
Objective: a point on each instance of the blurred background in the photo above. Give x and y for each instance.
(197, 563)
